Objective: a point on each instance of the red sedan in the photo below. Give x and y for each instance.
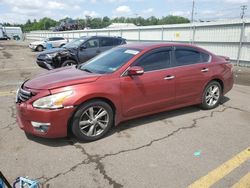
(126, 82)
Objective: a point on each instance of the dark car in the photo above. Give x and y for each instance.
(126, 82)
(77, 51)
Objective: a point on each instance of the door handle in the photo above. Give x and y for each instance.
(98, 51)
(205, 70)
(169, 77)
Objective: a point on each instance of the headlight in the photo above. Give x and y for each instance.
(64, 53)
(54, 101)
(50, 56)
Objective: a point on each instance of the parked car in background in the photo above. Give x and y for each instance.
(42, 44)
(77, 51)
(3, 35)
(126, 82)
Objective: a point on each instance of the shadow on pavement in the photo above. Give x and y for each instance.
(58, 142)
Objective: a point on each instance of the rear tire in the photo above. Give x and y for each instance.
(39, 48)
(92, 120)
(68, 63)
(211, 95)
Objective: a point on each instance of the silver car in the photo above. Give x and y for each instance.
(55, 42)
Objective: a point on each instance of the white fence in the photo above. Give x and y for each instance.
(231, 38)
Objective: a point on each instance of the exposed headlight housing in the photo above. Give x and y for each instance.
(52, 102)
(50, 56)
(64, 53)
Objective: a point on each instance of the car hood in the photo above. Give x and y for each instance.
(61, 77)
(37, 42)
(54, 50)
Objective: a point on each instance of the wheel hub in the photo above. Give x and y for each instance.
(94, 121)
(212, 95)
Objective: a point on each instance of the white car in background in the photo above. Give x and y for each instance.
(56, 42)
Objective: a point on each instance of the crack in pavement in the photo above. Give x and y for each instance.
(90, 159)
(96, 159)
(235, 108)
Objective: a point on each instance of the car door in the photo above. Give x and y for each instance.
(88, 50)
(58, 42)
(154, 90)
(52, 41)
(106, 43)
(192, 71)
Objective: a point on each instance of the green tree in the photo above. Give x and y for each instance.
(96, 23)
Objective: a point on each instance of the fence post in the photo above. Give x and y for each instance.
(242, 33)
(162, 33)
(139, 34)
(193, 36)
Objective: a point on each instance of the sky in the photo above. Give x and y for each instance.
(19, 11)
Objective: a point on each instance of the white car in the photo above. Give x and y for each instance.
(56, 42)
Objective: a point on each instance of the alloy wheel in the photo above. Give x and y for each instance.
(93, 121)
(212, 95)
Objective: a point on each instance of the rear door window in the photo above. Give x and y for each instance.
(187, 57)
(106, 42)
(117, 42)
(58, 38)
(51, 39)
(205, 57)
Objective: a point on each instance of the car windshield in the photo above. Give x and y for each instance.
(109, 61)
(75, 43)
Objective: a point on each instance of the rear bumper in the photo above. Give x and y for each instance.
(44, 65)
(58, 120)
(228, 83)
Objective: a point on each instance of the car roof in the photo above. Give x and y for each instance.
(152, 45)
(101, 36)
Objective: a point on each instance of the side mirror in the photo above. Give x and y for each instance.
(135, 71)
(83, 47)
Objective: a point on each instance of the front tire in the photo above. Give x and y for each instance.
(211, 96)
(92, 120)
(39, 48)
(68, 63)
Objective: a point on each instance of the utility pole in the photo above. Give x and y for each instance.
(192, 14)
(191, 24)
(243, 8)
(87, 18)
(242, 33)
(136, 19)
